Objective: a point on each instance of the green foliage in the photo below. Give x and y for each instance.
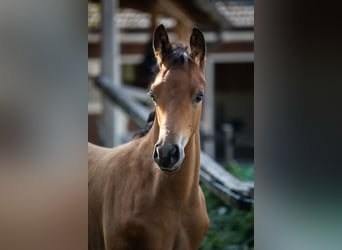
(230, 228)
(244, 173)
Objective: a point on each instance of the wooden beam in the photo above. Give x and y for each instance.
(144, 6)
(183, 32)
(184, 22)
(226, 179)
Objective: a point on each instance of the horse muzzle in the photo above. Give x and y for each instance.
(168, 156)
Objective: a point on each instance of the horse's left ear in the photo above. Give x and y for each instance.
(198, 47)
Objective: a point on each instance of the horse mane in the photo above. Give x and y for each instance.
(148, 126)
(179, 55)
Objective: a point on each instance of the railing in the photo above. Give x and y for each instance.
(228, 188)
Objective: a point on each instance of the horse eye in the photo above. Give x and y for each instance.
(199, 97)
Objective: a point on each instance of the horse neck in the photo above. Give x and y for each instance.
(184, 182)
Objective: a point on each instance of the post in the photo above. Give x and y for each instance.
(112, 123)
(228, 134)
(208, 123)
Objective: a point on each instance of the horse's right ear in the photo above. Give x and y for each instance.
(161, 44)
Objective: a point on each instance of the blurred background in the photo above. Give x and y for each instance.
(120, 69)
(44, 108)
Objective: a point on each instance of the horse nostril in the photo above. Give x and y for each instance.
(156, 152)
(166, 155)
(175, 152)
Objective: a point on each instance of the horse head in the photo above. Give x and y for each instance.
(177, 92)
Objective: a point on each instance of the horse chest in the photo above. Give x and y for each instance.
(161, 229)
(160, 235)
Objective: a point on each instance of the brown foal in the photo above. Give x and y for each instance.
(145, 195)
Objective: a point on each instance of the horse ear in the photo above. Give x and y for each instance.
(161, 44)
(198, 47)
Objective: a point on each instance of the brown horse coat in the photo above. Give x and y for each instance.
(133, 204)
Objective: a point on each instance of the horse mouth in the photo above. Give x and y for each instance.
(173, 169)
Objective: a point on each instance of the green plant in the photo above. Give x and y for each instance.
(242, 172)
(230, 228)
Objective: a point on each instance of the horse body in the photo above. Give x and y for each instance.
(136, 206)
(145, 194)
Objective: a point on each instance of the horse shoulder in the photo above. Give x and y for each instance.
(96, 155)
(107, 174)
(127, 203)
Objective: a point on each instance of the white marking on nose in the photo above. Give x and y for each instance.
(181, 145)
